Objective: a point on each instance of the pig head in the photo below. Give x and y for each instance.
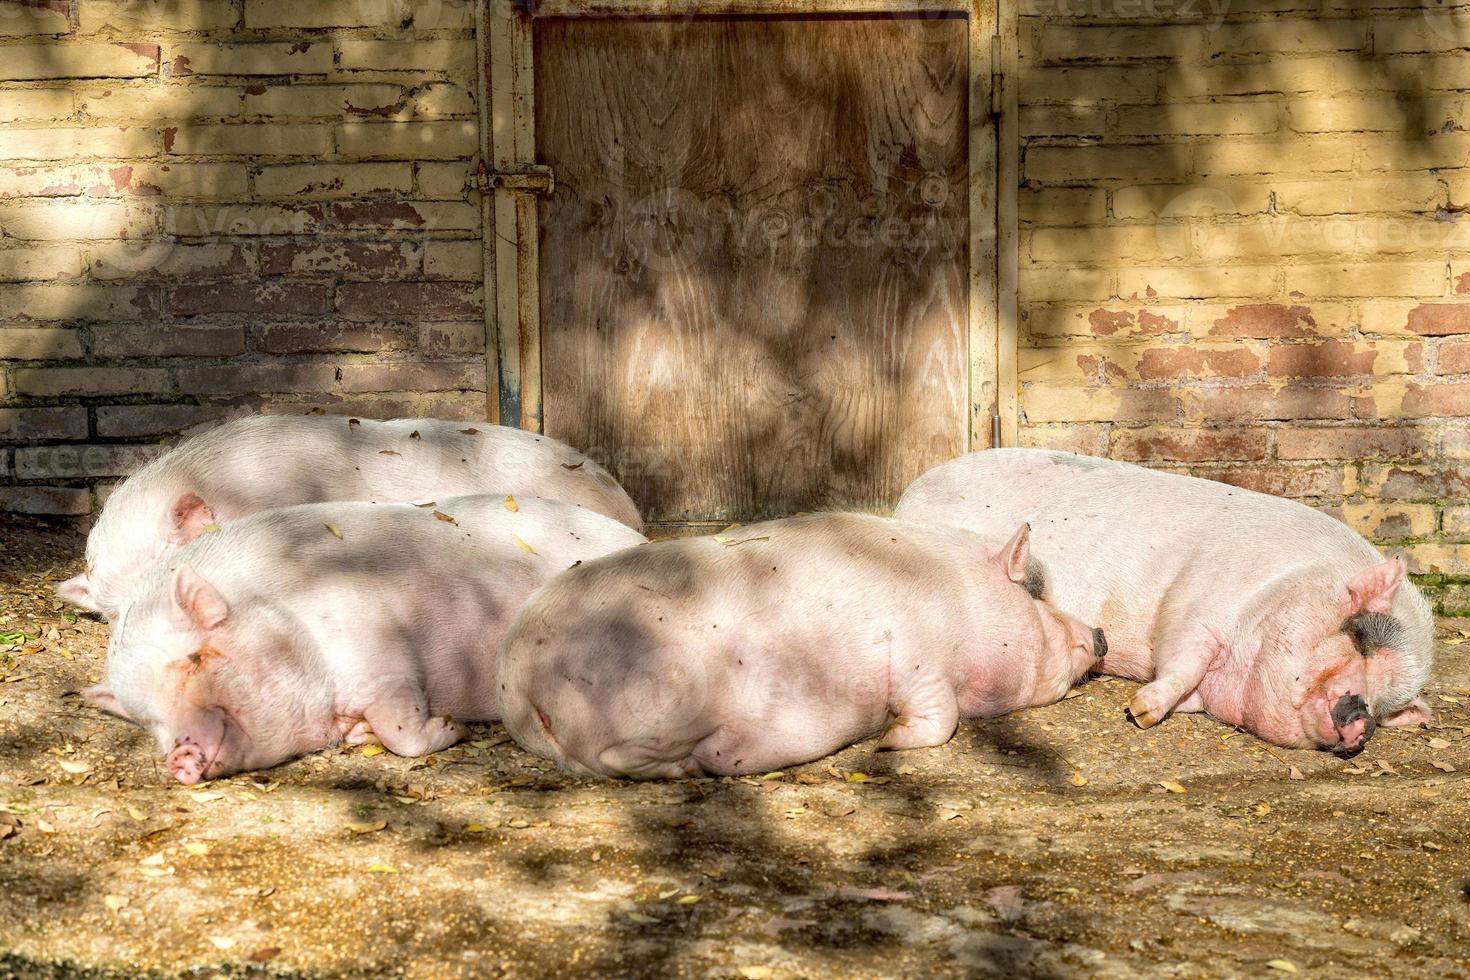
(180, 666)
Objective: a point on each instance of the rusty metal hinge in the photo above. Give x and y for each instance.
(530, 178)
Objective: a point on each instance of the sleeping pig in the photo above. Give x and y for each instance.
(1260, 611)
(265, 461)
(779, 644)
(295, 629)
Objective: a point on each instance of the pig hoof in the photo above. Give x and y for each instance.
(1143, 714)
(361, 734)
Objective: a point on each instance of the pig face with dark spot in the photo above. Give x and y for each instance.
(177, 667)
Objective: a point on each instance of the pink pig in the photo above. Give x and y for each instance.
(780, 644)
(265, 461)
(294, 629)
(1260, 611)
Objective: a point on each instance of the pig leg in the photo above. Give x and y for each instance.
(637, 759)
(1181, 662)
(927, 717)
(400, 719)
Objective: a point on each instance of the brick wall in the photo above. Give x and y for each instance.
(213, 206)
(1245, 252)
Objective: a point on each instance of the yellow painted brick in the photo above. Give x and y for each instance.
(1421, 30)
(1081, 84)
(1415, 317)
(320, 180)
(464, 261)
(1056, 403)
(196, 58)
(1101, 246)
(156, 16)
(1201, 199)
(334, 101)
(325, 13)
(207, 180)
(1064, 42)
(1456, 523)
(455, 57)
(444, 15)
(1041, 284)
(35, 61)
(1280, 74)
(408, 140)
(1273, 237)
(30, 19)
(1108, 320)
(61, 220)
(251, 139)
(1197, 282)
(1292, 318)
(1383, 235)
(1273, 157)
(1373, 115)
(169, 259)
(47, 262)
(35, 104)
(1089, 440)
(68, 143)
(1388, 522)
(1359, 195)
(1366, 279)
(1192, 118)
(1062, 206)
(1439, 559)
(81, 301)
(1379, 152)
(153, 102)
(241, 219)
(442, 180)
(1294, 36)
(1075, 164)
(1063, 120)
(1456, 443)
(441, 99)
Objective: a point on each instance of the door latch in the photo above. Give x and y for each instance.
(530, 178)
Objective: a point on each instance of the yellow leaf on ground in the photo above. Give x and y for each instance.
(222, 942)
(206, 797)
(75, 766)
(197, 848)
(474, 828)
(440, 515)
(45, 826)
(522, 545)
(115, 902)
(138, 815)
(688, 899)
(336, 531)
(153, 859)
(382, 869)
(366, 826)
(1285, 966)
(1171, 786)
(211, 528)
(510, 504)
(754, 972)
(1078, 779)
(857, 777)
(371, 750)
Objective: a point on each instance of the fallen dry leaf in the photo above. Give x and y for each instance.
(522, 545)
(1077, 779)
(206, 797)
(1172, 786)
(1295, 773)
(1442, 766)
(1261, 809)
(197, 848)
(1439, 743)
(1285, 966)
(359, 827)
(75, 766)
(445, 518)
(223, 942)
(336, 531)
(382, 869)
(511, 505)
(212, 529)
(469, 432)
(371, 750)
(389, 452)
(265, 953)
(754, 972)
(573, 466)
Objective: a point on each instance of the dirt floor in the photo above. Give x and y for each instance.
(1056, 842)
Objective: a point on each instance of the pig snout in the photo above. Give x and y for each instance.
(1354, 723)
(1099, 643)
(187, 762)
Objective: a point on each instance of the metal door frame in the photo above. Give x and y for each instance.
(510, 181)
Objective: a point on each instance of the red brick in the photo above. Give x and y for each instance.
(1448, 400)
(20, 424)
(71, 462)
(167, 340)
(249, 379)
(1439, 319)
(1188, 445)
(1183, 362)
(46, 382)
(1130, 323)
(364, 259)
(133, 421)
(454, 376)
(262, 298)
(1426, 483)
(1265, 320)
(413, 300)
(1454, 357)
(45, 500)
(1327, 359)
(365, 338)
(1337, 442)
(1259, 402)
(1282, 481)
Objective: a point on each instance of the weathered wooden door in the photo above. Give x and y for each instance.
(755, 274)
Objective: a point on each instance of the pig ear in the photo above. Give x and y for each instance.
(100, 697)
(77, 591)
(1016, 555)
(187, 519)
(197, 604)
(1373, 590)
(1416, 712)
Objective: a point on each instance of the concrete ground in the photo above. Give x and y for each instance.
(1057, 842)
